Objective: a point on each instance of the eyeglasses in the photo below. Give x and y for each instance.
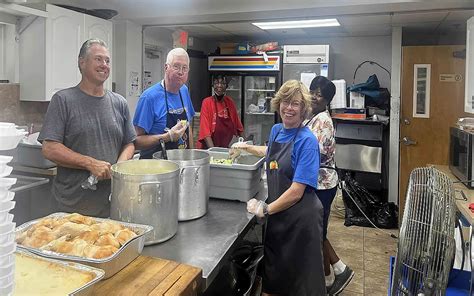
(219, 83)
(179, 68)
(293, 104)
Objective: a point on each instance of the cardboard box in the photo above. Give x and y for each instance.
(228, 47)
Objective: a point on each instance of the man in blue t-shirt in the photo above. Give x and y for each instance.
(164, 111)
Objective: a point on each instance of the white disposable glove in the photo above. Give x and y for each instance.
(240, 145)
(256, 207)
(177, 131)
(236, 148)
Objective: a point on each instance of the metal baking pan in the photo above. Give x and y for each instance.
(87, 289)
(111, 265)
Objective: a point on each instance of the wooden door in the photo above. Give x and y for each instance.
(424, 130)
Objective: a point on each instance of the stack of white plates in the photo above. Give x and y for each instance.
(10, 136)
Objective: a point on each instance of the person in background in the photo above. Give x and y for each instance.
(293, 257)
(338, 275)
(165, 110)
(219, 119)
(86, 129)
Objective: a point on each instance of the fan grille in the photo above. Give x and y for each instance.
(426, 243)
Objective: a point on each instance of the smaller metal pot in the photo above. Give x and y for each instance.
(193, 181)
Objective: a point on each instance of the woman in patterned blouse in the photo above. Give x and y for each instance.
(338, 275)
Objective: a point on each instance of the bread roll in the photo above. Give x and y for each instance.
(107, 239)
(107, 227)
(72, 229)
(90, 236)
(79, 219)
(41, 236)
(124, 236)
(99, 252)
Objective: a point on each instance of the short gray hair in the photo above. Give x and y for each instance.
(176, 52)
(86, 46)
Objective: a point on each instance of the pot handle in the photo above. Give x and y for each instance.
(158, 190)
(196, 174)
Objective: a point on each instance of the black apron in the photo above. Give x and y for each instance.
(224, 129)
(171, 120)
(293, 257)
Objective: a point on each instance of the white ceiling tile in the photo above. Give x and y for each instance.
(287, 32)
(199, 28)
(241, 27)
(460, 15)
(362, 28)
(364, 20)
(404, 18)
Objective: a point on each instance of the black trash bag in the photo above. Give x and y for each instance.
(357, 198)
(387, 216)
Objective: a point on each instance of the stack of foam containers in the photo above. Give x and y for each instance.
(339, 100)
(10, 136)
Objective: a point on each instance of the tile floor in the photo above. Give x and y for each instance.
(367, 251)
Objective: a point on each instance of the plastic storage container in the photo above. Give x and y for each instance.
(238, 181)
(31, 155)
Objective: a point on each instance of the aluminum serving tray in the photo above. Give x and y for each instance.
(111, 265)
(85, 290)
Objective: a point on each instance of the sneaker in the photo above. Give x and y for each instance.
(341, 281)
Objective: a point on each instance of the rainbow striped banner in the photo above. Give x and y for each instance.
(243, 63)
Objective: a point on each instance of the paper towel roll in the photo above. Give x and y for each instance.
(339, 100)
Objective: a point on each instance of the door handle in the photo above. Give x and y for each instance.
(407, 142)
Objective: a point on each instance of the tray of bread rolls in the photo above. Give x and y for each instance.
(102, 243)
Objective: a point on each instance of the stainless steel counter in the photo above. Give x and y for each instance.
(26, 183)
(206, 242)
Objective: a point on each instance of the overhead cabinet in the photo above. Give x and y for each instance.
(49, 48)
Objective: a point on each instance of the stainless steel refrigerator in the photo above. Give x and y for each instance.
(253, 82)
(304, 62)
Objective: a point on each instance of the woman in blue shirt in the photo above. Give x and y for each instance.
(293, 263)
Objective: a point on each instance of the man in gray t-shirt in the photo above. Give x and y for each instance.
(86, 129)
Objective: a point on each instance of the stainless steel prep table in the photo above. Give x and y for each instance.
(206, 242)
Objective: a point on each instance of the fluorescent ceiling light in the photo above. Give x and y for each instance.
(298, 24)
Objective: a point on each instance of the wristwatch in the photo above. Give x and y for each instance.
(265, 209)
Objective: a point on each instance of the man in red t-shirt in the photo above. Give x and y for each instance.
(219, 118)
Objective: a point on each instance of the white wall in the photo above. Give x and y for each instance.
(127, 62)
(348, 52)
(160, 37)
